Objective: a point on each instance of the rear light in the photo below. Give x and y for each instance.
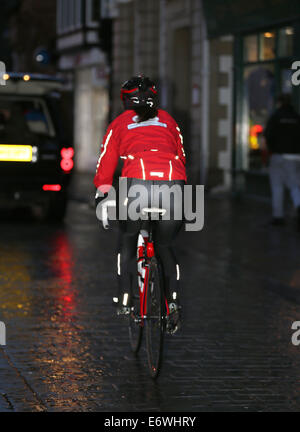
(67, 165)
(53, 188)
(67, 155)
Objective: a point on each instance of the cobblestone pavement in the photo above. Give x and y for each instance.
(67, 352)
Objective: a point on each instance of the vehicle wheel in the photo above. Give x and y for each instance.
(155, 318)
(56, 207)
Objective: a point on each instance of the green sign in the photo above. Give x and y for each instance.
(225, 17)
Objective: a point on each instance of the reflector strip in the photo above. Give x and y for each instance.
(143, 168)
(156, 174)
(171, 170)
(125, 299)
(119, 264)
(105, 147)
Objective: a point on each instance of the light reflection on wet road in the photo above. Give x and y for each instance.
(66, 350)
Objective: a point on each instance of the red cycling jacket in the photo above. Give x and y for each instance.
(151, 150)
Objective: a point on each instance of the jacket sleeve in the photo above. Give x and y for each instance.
(108, 160)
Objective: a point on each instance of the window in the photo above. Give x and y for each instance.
(24, 117)
(267, 45)
(251, 48)
(265, 73)
(93, 12)
(109, 9)
(69, 15)
(285, 42)
(78, 13)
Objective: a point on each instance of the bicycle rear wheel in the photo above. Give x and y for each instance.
(155, 319)
(135, 327)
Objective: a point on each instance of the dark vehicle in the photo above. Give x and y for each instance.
(36, 159)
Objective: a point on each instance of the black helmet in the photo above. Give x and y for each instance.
(139, 91)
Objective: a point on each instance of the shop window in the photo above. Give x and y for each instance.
(285, 42)
(267, 45)
(271, 53)
(251, 48)
(286, 80)
(259, 91)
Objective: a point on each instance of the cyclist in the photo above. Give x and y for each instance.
(150, 143)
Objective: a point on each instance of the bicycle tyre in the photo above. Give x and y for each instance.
(155, 319)
(135, 326)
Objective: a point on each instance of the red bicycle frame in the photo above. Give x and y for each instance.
(145, 253)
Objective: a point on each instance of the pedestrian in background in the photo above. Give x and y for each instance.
(282, 135)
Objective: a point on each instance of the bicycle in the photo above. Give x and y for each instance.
(148, 306)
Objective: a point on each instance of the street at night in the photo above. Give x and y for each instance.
(67, 351)
(149, 209)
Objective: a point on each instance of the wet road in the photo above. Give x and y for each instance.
(67, 352)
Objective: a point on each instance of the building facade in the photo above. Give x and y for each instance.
(265, 37)
(160, 39)
(85, 65)
(219, 66)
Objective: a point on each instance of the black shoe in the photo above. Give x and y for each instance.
(123, 305)
(278, 221)
(123, 310)
(174, 318)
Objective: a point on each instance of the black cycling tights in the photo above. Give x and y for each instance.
(164, 231)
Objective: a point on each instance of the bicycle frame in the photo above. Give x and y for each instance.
(145, 253)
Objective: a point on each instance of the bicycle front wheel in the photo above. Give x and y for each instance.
(155, 318)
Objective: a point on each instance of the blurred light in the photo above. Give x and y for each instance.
(39, 58)
(42, 56)
(67, 153)
(6, 77)
(67, 162)
(289, 31)
(254, 131)
(268, 35)
(115, 300)
(67, 165)
(26, 78)
(54, 188)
